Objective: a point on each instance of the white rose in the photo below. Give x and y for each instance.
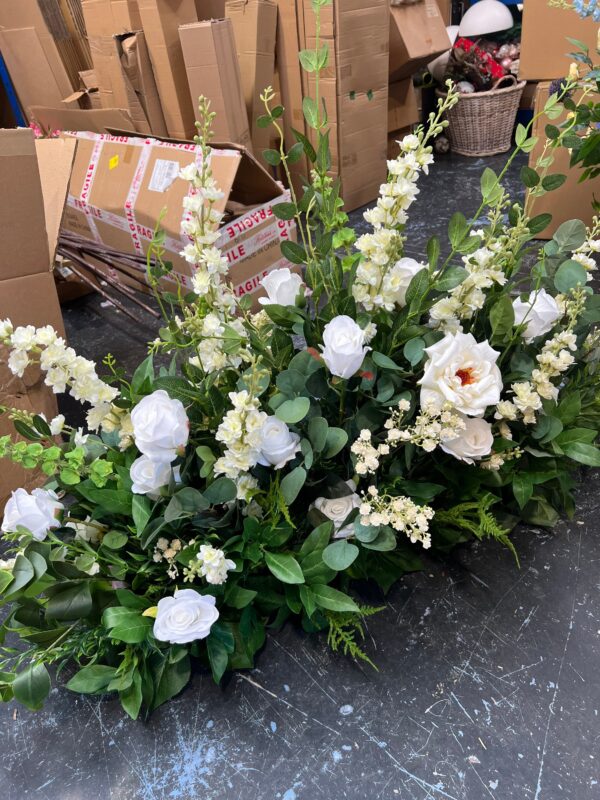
(282, 287)
(160, 426)
(278, 444)
(540, 311)
(185, 617)
(337, 509)
(38, 512)
(398, 278)
(343, 346)
(462, 372)
(474, 441)
(149, 476)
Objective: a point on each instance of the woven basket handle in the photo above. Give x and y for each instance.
(511, 78)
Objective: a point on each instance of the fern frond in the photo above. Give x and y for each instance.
(344, 630)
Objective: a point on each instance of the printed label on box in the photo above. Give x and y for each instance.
(163, 175)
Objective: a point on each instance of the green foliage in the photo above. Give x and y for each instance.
(345, 629)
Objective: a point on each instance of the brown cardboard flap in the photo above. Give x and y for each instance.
(140, 85)
(55, 160)
(417, 35)
(29, 68)
(96, 120)
(24, 248)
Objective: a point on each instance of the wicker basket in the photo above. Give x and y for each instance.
(481, 123)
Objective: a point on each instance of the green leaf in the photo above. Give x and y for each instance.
(451, 278)
(570, 235)
(529, 177)
(170, 679)
(502, 318)
(32, 686)
(292, 484)
(5, 579)
(142, 379)
(569, 275)
(22, 572)
(385, 541)
(582, 453)
(130, 600)
(239, 597)
(336, 440)
(221, 491)
(520, 134)
(284, 210)
(552, 182)
(310, 111)
(414, 350)
(114, 540)
(385, 362)
(272, 157)
(126, 624)
(308, 60)
(547, 428)
(91, 679)
(293, 252)
(308, 600)
(457, 229)
(417, 287)
(294, 155)
(587, 435)
(339, 555)
(141, 509)
(116, 501)
(537, 224)
(131, 698)
(218, 657)
(292, 411)
(284, 567)
(177, 388)
(332, 599)
(522, 488)
(72, 603)
(317, 539)
(365, 533)
(433, 251)
(317, 433)
(490, 187)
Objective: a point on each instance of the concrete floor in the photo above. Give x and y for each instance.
(487, 673)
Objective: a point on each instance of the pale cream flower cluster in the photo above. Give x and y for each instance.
(167, 551)
(240, 432)
(379, 280)
(591, 245)
(212, 332)
(212, 564)
(462, 302)
(399, 512)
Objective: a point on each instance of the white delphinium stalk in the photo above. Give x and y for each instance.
(240, 432)
(399, 512)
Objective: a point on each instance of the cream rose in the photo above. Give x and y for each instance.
(473, 443)
(398, 278)
(337, 509)
(539, 312)
(343, 346)
(160, 426)
(185, 617)
(37, 512)
(462, 372)
(149, 476)
(278, 444)
(282, 287)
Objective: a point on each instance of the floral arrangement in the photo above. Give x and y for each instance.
(259, 463)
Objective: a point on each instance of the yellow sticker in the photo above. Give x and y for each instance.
(114, 162)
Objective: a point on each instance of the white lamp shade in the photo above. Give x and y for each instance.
(486, 16)
(437, 67)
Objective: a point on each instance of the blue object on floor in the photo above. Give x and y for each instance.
(10, 92)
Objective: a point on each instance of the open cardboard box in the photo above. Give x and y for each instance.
(120, 186)
(417, 35)
(30, 214)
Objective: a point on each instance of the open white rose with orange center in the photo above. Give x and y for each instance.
(462, 372)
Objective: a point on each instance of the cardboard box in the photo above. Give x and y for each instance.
(160, 21)
(417, 36)
(143, 102)
(213, 71)
(38, 173)
(393, 138)
(87, 96)
(527, 100)
(97, 120)
(120, 185)
(445, 7)
(572, 199)
(254, 28)
(403, 109)
(544, 45)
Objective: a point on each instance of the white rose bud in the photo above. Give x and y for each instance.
(38, 512)
(149, 476)
(278, 444)
(462, 372)
(282, 287)
(160, 426)
(343, 347)
(185, 617)
(337, 509)
(473, 442)
(539, 312)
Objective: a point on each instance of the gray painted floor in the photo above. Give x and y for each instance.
(486, 686)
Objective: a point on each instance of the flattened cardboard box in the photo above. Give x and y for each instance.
(572, 200)
(30, 214)
(213, 71)
(544, 46)
(120, 185)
